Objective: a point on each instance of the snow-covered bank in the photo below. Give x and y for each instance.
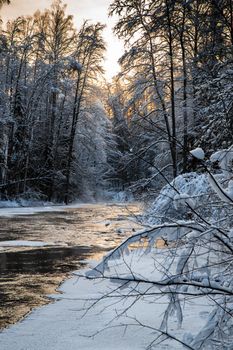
(15, 211)
(9, 212)
(63, 325)
(22, 207)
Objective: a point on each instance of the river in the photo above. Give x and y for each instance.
(38, 251)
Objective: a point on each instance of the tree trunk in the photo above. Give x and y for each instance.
(172, 93)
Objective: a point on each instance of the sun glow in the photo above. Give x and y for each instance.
(93, 10)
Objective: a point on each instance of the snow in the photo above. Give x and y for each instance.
(133, 295)
(225, 194)
(224, 157)
(198, 153)
(192, 188)
(9, 204)
(11, 208)
(75, 317)
(10, 211)
(183, 199)
(19, 243)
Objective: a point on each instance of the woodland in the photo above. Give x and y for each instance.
(161, 133)
(66, 133)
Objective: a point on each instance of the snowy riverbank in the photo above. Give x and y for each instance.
(64, 324)
(11, 208)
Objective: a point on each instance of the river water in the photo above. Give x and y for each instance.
(63, 242)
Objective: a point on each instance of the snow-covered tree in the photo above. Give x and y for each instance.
(50, 73)
(185, 255)
(88, 57)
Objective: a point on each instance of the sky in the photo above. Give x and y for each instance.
(94, 10)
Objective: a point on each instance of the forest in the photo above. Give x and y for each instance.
(161, 132)
(66, 133)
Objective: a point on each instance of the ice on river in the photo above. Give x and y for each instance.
(15, 211)
(18, 243)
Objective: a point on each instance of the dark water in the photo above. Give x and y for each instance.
(43, 260)
(28, 274)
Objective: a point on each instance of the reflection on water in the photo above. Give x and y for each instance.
(43, 260)
(28, 274)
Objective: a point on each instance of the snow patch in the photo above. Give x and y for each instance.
(18, 243)
(198, 153)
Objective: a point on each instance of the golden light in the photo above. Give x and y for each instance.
(94, 10)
